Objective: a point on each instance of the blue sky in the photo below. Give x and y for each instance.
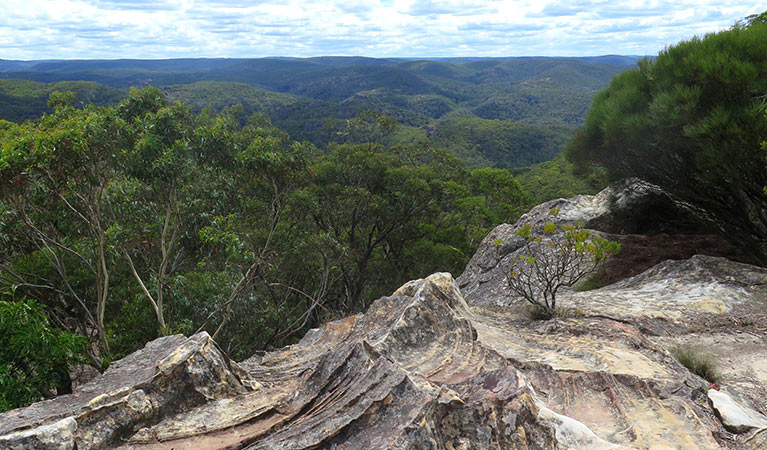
(85, 29)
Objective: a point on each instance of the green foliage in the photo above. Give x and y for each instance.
(764, 143)
(499, 143)
(371, 205)
(558, 179)
(698, 362)
(141, 219)
(369, 127)
(554, 257)
(589, 285)
(60, 99)
(753, 19)
(534, 313)
(691, 121)
(35, 358)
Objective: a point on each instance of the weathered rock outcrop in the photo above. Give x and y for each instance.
(168, 376)
(410, 373)
(651, 226)
(425, 369)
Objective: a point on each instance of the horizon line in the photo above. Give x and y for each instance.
(324, 56)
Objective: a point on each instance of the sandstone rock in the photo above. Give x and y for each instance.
(702, 300)
(678, 291)
(631, 206)
(736, 415)
(56, 436)
(634, 206)
(420, 369)
(637, 214)
(169, 375)
(737, 347)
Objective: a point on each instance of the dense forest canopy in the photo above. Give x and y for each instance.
(692, 120)
(127, 222)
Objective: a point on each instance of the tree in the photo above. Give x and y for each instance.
(150, 197)
(492, 196)
(752, 19)
(560, 256)
(249, 241)
(98, 197)
(369, 203)
(56, 172)
(371, 128)
(691, 121)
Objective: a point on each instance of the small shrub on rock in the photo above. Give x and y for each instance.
(535, 312)
(558, 256)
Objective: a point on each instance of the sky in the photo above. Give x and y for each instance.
(151, 29)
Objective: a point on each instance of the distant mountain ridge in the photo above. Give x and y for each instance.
(129, 72)
(429, 96)
(202, 63)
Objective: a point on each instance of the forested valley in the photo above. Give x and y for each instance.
(256, 199)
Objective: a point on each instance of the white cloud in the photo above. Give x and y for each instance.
(45, 29)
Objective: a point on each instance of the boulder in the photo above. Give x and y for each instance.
(169, 375)
(736, 415)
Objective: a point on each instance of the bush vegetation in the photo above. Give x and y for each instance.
(692, 120)
(698, 362)
(35, 356)
(554, 257)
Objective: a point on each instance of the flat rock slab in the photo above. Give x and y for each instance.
(608, 376)
(740, 356)
(678, 291)
(55, 436)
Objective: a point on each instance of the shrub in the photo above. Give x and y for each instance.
(589, 285)
(559, 256)
(535, 312)
(691, 121)
(35, 358)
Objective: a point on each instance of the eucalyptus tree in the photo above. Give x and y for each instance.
(56, 172)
